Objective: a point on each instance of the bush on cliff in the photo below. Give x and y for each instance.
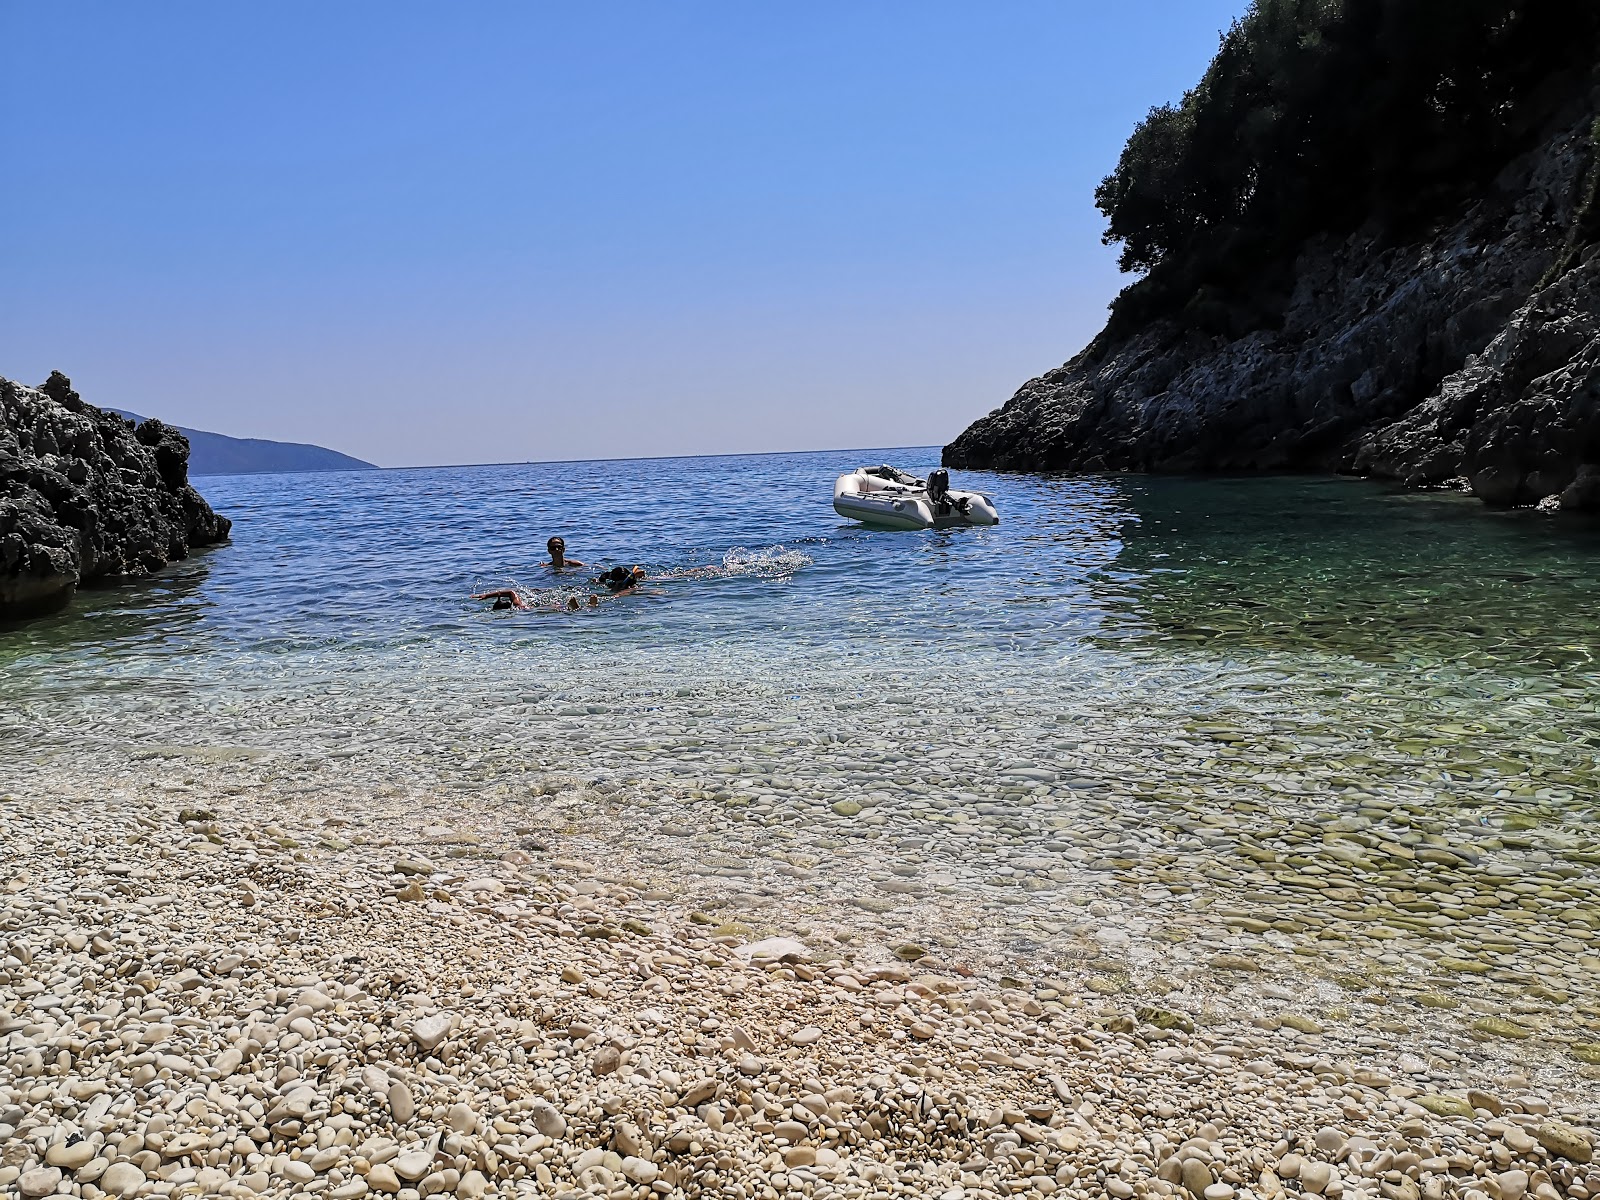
(1318, 116)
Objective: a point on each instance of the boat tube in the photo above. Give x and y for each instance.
(893, 499)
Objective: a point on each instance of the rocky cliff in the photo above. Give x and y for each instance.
(84, 494)
(1469, 356)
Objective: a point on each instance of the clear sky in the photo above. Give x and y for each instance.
(481, 232)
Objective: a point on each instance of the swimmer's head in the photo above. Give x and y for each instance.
(556, 545)
(502, 602)
(594, 601)
(572, 604)
(620, 578)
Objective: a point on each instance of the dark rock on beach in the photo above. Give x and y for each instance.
(1470, 358)
(85, 495)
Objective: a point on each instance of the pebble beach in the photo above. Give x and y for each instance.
(211, 990)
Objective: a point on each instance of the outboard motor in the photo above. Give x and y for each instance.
(939, 493)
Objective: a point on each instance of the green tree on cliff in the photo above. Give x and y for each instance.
(1319, 115)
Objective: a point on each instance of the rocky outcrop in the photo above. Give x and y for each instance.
(1472, 355)
(84, 495)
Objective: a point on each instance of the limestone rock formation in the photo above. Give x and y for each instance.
(84, 495)
(1472, 355)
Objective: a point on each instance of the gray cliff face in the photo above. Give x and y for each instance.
(85, 495)
(1474, 354)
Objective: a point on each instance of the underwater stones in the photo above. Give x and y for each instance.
(1445, 1106)
(846, 808)
(1486, 1101)
(534, 997)
(1164, 1018)
(1249, 924)
(1465, 966)
(776, 949)
(874, 904)
(1299, 1023)
(1501, 1027)
(1234, 963)
(1563, 1141)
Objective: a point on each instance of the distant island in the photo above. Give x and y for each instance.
(218, 454)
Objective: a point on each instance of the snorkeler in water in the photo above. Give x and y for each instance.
(621, 579)
(618, 581)
(504, 598)
(510, 598)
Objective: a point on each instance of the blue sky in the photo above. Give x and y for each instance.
(480, 232)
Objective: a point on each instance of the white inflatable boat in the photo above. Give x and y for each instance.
(892, 499)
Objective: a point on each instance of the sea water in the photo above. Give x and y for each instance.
(1300, 737)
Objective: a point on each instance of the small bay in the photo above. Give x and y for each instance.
(1299, 738)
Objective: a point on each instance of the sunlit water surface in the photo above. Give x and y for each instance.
(1349, 725)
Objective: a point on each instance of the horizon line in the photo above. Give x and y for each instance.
(548, 462)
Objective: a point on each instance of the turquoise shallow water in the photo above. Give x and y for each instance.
(1305, 722)
(376, 567)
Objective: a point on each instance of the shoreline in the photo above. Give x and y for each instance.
(577, 974)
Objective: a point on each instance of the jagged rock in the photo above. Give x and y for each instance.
(84, 495)
(1455, 356)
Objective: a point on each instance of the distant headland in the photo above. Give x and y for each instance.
(219, 454)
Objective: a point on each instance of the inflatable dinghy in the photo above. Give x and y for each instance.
(892, 499)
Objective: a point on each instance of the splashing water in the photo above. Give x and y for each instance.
(772, 562)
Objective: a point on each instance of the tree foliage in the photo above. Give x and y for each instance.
(1318, 115)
